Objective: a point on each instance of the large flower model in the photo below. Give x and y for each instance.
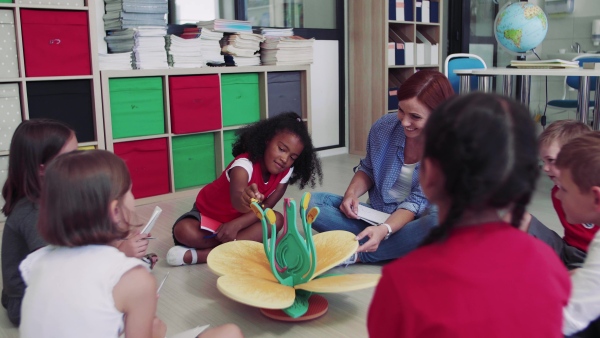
(282, 274)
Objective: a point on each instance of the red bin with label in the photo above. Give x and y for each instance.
(56, 43)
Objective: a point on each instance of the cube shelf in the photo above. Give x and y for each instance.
(49, 67)
(68, 101)
(196, 113)
(56, 43)
(240, 97)
(10, 113)
(194, 160)
(195, 104)
(8, 45)
(137, 107)
(148, 164)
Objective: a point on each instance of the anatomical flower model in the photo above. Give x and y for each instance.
(283, 274)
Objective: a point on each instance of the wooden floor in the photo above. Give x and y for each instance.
(190, 296)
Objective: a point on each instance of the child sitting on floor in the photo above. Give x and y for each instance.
(578, 169)
(81, 285)
(572, 248)
(34, 144)
(269, 155)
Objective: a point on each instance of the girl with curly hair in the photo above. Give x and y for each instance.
(269, 155)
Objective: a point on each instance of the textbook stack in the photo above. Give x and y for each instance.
(287, 50)
(117, 61)
(227, 26)
(274, 32)
(243, 48)
(184, 53)
(120, 41)
(149, 48)
(209, 43)
(122, 14)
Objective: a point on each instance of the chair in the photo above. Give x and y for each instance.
(462, 61)
(573, 82)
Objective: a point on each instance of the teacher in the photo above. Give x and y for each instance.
(390, 173)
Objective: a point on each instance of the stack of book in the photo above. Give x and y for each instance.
(273, 32)
(554, 63)
(149, 48)
(243, 48)
(209, 43)
(288, 50)
(118, 61)
(227, 26)
(121, 14)
(120, 41)
(184, 53)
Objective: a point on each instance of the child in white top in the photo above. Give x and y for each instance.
(81, 285)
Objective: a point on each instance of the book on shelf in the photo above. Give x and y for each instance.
(553, 63)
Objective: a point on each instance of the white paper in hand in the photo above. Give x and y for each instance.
(372, 216)
(152, 220)
(193, 333)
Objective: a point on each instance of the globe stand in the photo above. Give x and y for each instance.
(518, 89)
(317, 307)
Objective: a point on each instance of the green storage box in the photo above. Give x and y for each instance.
(228, 139)
(136, 106)
(194, 160)
(240, 99)
(6, 1)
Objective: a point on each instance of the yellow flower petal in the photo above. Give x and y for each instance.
(343, 283)
(256, 292)
(333, 247)
(245, 258)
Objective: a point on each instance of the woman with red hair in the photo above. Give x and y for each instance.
(390, 174)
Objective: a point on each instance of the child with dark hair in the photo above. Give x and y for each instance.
(34, 144)
(475, 275)
(269, 155)
(81, 285)
(578, 181)
(572, 248)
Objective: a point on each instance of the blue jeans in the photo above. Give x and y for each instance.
(408, 238)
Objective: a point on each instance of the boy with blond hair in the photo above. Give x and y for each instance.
(572, 248)
(578, 166)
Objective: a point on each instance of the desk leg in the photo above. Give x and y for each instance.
(464, 86)
(583, 99)
(596, 125)
(484, 83)
(525, 90)
(507, 85)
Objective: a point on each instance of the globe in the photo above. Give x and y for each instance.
(519, 27)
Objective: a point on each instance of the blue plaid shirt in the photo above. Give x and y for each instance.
(384, 160)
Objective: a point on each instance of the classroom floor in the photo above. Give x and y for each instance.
(190, 297)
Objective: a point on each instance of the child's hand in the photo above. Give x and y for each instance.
(227, 232)
(251, 192)
(134, 246)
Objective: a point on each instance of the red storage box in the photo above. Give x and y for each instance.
(148, 163)
(195, 103)
(56, 43)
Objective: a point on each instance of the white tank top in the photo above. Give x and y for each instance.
(403, 185)
(69, 292)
